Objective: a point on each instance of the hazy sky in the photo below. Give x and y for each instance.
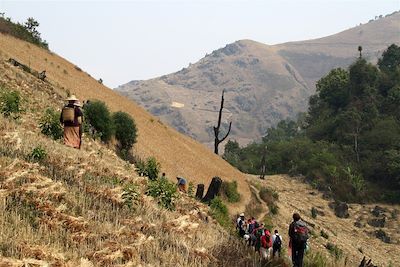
(120, 41)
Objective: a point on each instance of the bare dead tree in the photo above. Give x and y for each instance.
(263, 164)
(217, 141)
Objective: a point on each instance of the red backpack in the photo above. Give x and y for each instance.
(300, 231)
(265, 240)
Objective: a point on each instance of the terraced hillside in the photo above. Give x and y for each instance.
(178, 154)
(65, 207)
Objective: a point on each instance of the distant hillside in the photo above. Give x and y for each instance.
(263, 84)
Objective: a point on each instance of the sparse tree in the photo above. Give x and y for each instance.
(31, 25)
(217, 140)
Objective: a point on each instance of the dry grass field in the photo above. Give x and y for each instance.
(178, 154)
(67, 209)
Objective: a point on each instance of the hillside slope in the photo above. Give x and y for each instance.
(178, 154)
(263, 83)
(65, 207)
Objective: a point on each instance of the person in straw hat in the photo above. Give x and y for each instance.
(71, 118)
(181, 184)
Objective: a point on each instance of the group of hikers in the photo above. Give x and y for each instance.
(270, 245)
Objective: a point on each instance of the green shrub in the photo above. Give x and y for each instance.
(219, 211)
(164, 192)
(355, 179)
(324, 234)
(229, 190)
(191, 189)
(126, 155)
(125, 129)
(314, 213)
(49, 124)
(38, 154)
(273, 209)
(130, 195)
(98, 116)
(140, 166)
(270, 196)
(10, 103)
(312, 259)
(268, 224)
(152, 168)
(334, 250)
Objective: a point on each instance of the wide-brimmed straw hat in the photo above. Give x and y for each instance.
(72, 98)
(77, 104)
(241, 215)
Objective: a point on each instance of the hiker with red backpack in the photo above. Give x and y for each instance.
(298, 233)
(266, 244)
(276, 244)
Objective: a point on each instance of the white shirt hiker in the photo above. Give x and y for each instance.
(274, 237)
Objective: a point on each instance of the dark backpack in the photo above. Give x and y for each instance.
(239, 225)
(251, 227)
(300, 232)
(277, 242)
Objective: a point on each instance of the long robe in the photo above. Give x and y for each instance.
(72, 136)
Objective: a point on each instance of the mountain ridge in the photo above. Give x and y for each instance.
(278, 78)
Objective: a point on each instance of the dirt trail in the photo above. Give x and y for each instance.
(295, 196)
(265, 212)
